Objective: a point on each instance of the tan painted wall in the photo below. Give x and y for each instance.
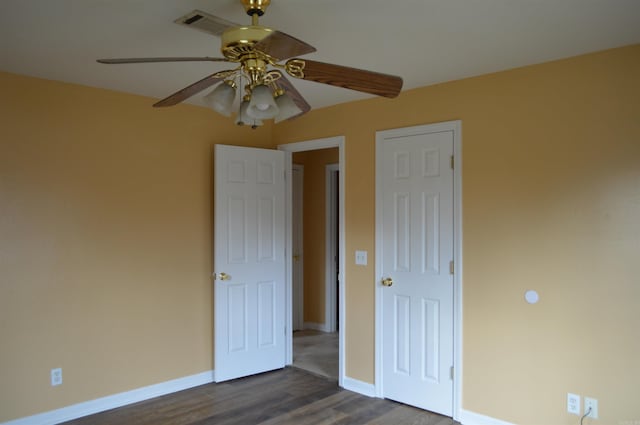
(551, 201)
(314, 229)
(105, 235)
(105, 241)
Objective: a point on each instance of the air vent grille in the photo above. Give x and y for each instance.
(205, 22)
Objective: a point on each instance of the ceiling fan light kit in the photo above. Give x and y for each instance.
(244, 119)
(259, 52)
(221, 98)
(262, 104)
(287, 107)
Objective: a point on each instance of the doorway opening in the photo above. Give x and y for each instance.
(315, 206)
(317, 247)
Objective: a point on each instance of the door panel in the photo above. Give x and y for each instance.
(237, 317)
(402, 334)
(416, 188)
(249, 294)
(266, 314)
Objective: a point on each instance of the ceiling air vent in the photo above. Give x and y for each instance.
(205, 22)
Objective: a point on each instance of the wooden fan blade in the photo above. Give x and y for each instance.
(290, 89)
(283, 46)
(349, 78)
(153, 60)
(189, 91)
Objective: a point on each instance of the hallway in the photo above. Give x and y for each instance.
(316, 352)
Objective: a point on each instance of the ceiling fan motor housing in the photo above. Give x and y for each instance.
(238, 42)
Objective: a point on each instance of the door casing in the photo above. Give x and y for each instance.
(456, 127)
(330, 246)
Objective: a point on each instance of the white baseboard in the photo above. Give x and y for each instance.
(79, 410)
(359, 387)
(472, 418)
(466, 417)
(86, 408)
(316, 326)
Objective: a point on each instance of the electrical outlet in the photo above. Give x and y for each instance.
(573, 404)
(56, 377)
(591, 403)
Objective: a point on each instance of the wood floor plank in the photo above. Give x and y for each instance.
(406, 415)
(319, 411)
(285, 397)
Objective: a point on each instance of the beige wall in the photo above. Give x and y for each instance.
(105, 241)
(105, 235)
(551, 201)
(314, 229)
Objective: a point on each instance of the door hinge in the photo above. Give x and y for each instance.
(451, 372)
(452, 162)
(451, 267)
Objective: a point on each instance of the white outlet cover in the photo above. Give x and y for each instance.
(593, 404)
(573, 404)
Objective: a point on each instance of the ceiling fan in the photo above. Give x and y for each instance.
(264, 56)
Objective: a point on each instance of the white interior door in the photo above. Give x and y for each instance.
(415, 244)
(249, 295)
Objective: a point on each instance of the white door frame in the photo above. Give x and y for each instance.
(456, 127)
(330, 247)
(309, 145)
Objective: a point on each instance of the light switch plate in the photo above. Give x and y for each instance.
(361, 258)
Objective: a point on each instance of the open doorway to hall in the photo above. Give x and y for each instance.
(315, 207)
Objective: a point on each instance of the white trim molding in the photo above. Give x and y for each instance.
(98, 405)
(359, 387)
(472, 418)
(332, 175)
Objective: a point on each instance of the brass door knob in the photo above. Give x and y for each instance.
(387, 281)
(223, 276)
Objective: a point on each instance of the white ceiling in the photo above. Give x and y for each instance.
(423, 41)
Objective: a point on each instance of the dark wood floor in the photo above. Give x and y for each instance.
(287, 396)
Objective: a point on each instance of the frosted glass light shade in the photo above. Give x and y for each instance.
(287, 107)
(244, 119)
(262, 105)
(221, 99)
